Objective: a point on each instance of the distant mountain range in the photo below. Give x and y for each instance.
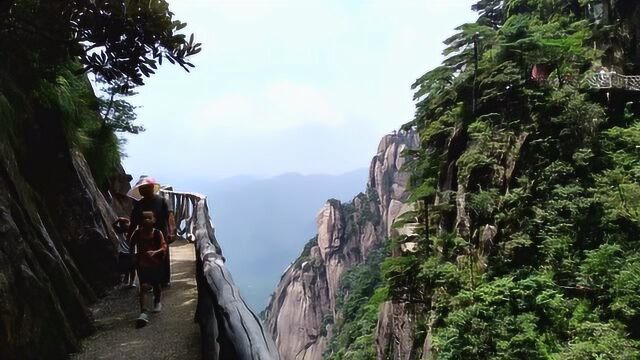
(263, 223)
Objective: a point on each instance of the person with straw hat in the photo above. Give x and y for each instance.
(145, 192)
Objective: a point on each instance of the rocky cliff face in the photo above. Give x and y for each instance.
(395, 331)
(303, 308)
(57, 249)
(116, 193)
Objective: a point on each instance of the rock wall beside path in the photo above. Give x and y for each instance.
(57, 249)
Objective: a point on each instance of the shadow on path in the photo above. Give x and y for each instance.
(171, 334)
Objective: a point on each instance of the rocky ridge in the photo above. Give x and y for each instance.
(303, 308)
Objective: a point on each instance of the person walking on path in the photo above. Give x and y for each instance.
(145, 192)
(125, 263)
(149, 248)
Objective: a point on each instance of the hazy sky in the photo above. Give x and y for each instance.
(287, 86)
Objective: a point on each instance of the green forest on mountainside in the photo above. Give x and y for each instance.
(49, 47)
(358, 301)
(528, 189)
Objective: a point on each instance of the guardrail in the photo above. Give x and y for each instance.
(229, 329)
(613, 80)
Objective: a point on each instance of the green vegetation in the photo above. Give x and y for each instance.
(529, 248)
(72, 99)
(359, 298)
(48, 47)
(306, 252)
(549, 163)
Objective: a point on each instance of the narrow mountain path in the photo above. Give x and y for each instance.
(171, 334)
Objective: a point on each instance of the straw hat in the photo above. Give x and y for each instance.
(134, 193)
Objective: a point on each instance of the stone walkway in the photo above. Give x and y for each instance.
(171, 334)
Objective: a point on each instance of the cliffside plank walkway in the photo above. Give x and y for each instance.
(202, 290)
(171, 334)
(611, 80)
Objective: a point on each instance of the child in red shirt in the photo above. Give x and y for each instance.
(150, 249)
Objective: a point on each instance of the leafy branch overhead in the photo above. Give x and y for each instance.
(117, 113)
(129, 39)
(114, 39)
(47, 48)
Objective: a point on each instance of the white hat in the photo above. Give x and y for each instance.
(134, 193)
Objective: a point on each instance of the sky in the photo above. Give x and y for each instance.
(287, 86)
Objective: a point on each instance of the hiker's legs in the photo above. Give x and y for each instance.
(132, 275)
(157, 292)
(143, 319)
(144, 288)
(124, 266)
(127, 278)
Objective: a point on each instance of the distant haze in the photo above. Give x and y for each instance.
(283, 86)
(287, 85)
(262, 224)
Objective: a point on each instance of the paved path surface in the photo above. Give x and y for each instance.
(171, 334)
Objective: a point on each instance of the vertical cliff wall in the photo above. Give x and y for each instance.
(57, 249)
(512, 212)
(301, 312)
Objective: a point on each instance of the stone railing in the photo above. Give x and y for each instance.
(612, 80)
(229, 329)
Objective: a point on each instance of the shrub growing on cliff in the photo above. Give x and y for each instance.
(531, 248)
(47, 48)
(359, 299)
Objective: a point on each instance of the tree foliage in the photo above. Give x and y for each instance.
(114, 39)
(359, 298)
(532, 244)
(47, 49)
(117, 113)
